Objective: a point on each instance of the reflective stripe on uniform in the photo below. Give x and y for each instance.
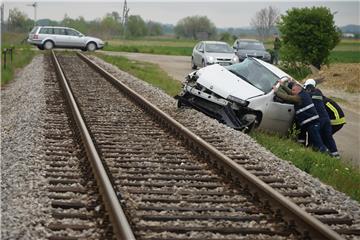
(333, 109)
(316, 97)
(304, 108)
(309, 120)
(338, 121)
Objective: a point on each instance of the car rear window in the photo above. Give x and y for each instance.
(59, 31)
(46, 30)
(34, 30)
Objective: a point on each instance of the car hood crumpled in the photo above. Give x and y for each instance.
(224, 83)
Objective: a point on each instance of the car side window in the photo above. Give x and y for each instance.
(59, 31)
(72, 32)
(46, 31)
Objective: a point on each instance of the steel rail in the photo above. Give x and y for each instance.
(309, 225)
(120, 224)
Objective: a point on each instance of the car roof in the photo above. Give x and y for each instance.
(217, 42)
(247, 40)
(53, 27)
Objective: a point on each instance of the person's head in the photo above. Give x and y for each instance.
(309, 82)
(296, 89)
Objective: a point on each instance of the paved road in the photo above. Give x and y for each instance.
(347, 139)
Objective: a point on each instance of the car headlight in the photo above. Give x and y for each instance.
(243, 103)
(210, 59)
(235, 59)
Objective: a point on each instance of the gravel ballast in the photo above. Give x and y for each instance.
(327, 195)
(22, 201)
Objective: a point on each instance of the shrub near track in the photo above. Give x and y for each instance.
(22, 55)
(329, 170)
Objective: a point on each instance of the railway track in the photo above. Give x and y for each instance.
(167, 181)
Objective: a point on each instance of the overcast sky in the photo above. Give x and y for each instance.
(230, 13)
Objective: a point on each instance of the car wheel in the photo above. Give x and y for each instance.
(203, 63)
(193, 66)
(48, 45)
(91, 47)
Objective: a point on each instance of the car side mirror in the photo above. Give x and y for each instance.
(201, 50)
(81, 35)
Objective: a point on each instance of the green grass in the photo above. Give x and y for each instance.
(344, 57)
(148, 72)
(347, 51)
(162, 50)
(329, 170)
(167, 46)
(22, 55)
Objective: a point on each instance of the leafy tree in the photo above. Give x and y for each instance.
(195, 27)
(110, 25)
(136, 27)
(227, 37)
(19, 21)
(154, 28)
(309, 34)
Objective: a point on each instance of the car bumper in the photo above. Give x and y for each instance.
(34, 41)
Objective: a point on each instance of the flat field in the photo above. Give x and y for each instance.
(347, 51)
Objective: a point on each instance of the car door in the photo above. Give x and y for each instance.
(279, 116)
(60, 37)
(75, 39)
(199, 54)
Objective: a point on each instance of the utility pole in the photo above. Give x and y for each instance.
(35, 7)
(2, 18)
(125, 18)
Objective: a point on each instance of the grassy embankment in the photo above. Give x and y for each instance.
(148, 72)
(22, 55)
(329, 170)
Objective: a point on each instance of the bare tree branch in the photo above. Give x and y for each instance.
(264, 20)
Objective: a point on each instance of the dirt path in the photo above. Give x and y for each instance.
(347, 139)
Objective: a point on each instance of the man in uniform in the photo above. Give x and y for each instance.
(336, 114)
(325, 126)
(306, 115)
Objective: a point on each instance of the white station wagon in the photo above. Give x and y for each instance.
(48, 37)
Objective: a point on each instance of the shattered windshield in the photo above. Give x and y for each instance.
(218, 48)
(255, 74)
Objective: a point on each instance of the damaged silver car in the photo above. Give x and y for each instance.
(239, 95)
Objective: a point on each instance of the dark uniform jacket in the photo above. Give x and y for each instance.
(305, 112)
(318, 100)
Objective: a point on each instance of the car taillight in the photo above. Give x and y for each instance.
(35, 36)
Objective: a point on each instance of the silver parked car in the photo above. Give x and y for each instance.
(211, 52)
(251, 48)
(48, 37)
(240, 95)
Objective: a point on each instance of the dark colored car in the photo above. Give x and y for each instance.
(251, 48)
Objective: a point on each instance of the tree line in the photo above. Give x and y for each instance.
(109, 26)
(308, 34)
